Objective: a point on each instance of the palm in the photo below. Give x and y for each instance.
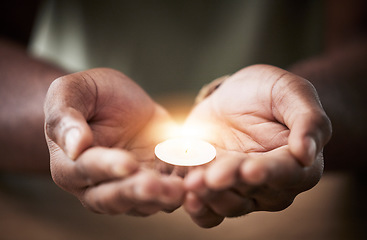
(119, 113)
(133, 131)
(261, 120)
(110, 120)
(241, 118)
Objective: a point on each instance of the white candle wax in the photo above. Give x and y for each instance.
(185, 151)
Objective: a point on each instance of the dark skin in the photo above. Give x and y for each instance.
(24, 83)
(339, 74)
(342, 99)
(101, 129)
(269, 130)
(77, 170)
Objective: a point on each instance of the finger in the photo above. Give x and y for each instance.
(229, 204)
(199, 213)
(195, 182)
(145, 210)
(223, 203)
(70, 131)
(143, 193)
(278, 169)
(172, 192)
(67, 106)
(223, 172)
(282, 177)
(308, 137)
(99, 164)
(296, 104)
(168, 199)
(95, 165)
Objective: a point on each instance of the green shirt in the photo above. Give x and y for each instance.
(177, 45)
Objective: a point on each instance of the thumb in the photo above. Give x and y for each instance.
(69, 101)
(69, 130)
(297, 105)
(308, 136)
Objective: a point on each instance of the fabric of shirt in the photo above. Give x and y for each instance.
(177, 45)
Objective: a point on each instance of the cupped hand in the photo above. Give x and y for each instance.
(269, 129)
(100, 132)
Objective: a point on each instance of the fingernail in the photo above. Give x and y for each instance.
(194, 180)
(123, 170)
(311, 152)
(71, 141)
(253, 174)
(120, 171)
(193, 204)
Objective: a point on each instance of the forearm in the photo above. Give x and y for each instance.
(23, 85)
(340, 79)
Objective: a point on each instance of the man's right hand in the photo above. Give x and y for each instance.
(100, 132)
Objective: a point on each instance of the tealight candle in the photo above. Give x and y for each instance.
(185, 151)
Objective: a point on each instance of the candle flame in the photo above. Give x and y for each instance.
(192, 131)
(173, 130)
